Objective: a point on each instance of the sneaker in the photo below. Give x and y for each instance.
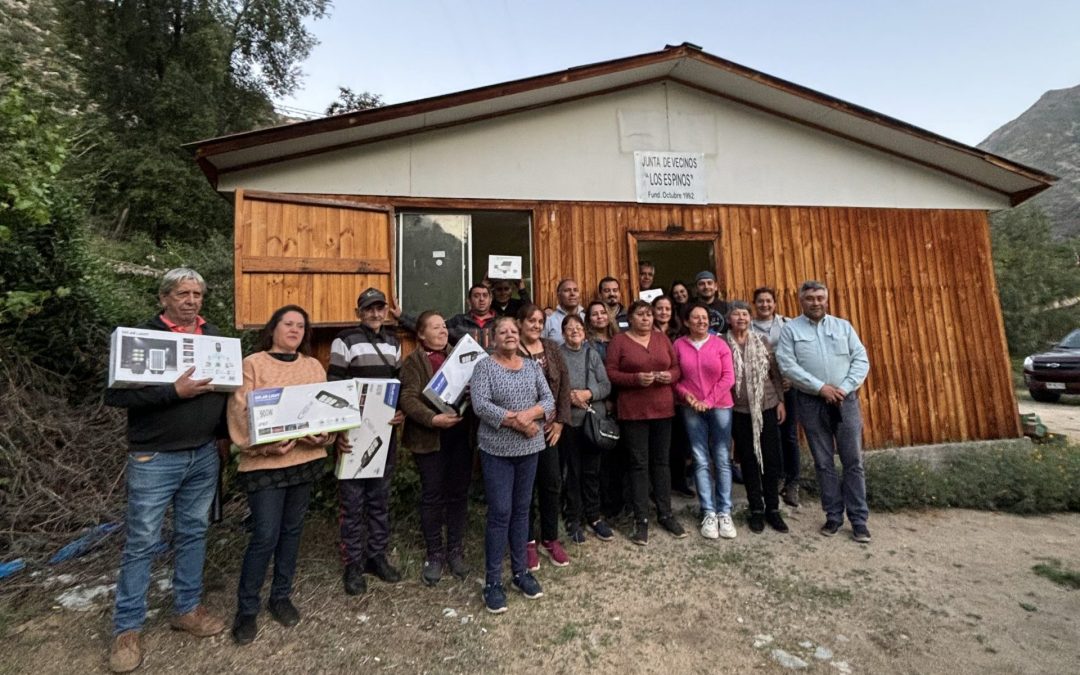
(125, 653)
(641, 533)
(554, 551)
(528, 585)
(577, 535)
(756, 521)
(458, 567)
(710, 526)
(727, 528)
(532, 560)
(495, 598)
(244, 629)
(602, 530)
(830, 528)
(355, 584)
(790, 494)
(381, 567)
(432, 572)
(284, 612)
(775, 521)
(198, 622)
(671, 524)
(860, 533)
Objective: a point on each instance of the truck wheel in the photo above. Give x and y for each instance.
(1043, 396)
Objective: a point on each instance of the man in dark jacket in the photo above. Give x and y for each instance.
(476, 323)
(503, 302)
(368, 350)
(708, 294)
(172, 460)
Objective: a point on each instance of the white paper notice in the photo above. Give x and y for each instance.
(651, 294)
(504, 267)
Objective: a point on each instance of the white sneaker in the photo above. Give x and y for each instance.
(709, 527)
(727, 528)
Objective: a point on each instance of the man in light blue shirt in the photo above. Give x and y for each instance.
(826, 362)
(569, 302)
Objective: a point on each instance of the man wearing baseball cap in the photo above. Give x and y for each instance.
(368, 350)
(708, 294)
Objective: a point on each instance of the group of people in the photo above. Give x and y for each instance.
(714, 375)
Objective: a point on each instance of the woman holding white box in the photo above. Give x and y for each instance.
(277, 477)
(439, 443)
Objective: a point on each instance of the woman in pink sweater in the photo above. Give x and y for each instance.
(704, 396)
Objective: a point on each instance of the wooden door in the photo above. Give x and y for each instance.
(316, 252)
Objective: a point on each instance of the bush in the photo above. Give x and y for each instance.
(1041, 478)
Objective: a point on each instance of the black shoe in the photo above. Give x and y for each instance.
(860, 533)
(830, 528)
(381, 568)
(284, 612)
(756, 522)
(775, 521)
(790, 494)
(355, 584)
(672, 525)
(432, 572)
(641, 533)
(458, 567)
(244, 629)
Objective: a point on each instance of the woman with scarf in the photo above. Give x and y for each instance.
(758, 412)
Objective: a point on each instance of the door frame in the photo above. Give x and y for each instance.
(633, 237)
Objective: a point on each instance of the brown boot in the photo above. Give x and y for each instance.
(198, 622)
(125, 654)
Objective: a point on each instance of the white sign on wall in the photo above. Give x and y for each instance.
(670, 177)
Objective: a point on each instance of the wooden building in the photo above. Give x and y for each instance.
(789, 184)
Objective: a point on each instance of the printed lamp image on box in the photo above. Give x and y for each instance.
(283, 413)
(504, 267)
(377, 401)
(447, 388)
(139, 357)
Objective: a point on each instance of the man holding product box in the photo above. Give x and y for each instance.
(369, 350)
(172, 431)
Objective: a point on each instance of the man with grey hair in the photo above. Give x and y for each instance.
(569, 303)
(173, 460)
(826, 362)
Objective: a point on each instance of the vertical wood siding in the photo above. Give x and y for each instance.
(918, 285)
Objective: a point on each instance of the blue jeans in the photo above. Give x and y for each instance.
(710, 441)
(833, 430)
(508, 486)
(186, 480)
(278, 518)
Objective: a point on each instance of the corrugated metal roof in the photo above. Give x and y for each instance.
(685, 64)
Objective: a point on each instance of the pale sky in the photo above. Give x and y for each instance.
(958, 68)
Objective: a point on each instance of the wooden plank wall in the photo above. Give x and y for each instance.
(917, 284)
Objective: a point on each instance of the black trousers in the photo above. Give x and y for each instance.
(679, 453)
(762, 484)
(364, 513)
(648, 443)
(582, 487)
(548, 490)
(444, 493)
(278, 518)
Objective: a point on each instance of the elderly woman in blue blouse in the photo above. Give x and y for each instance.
(511, 397)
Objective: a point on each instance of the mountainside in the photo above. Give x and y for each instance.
(1047, 137)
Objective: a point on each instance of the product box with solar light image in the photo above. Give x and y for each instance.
(284, 413)
(447, 388)
(377, 401)
(139, 357)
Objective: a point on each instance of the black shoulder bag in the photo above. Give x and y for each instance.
(600, 430)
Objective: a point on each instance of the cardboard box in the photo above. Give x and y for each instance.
(283, 413)
(139, 357)
(447, 388)
(504, 267)
(651, 294)
(377, 401)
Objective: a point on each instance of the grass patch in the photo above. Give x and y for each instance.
(1055, 571)
(1042, 478)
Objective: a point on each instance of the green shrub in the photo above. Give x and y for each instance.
(1041, 478)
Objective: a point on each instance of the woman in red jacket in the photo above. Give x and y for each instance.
(704, 391)
(642, 364)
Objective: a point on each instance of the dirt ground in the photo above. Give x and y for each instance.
(941, 591)
(1062, 417)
